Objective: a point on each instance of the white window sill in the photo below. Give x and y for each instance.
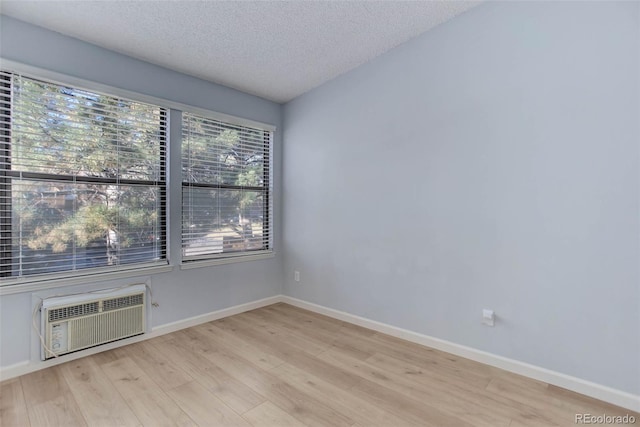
(230, 260)
(17, 286)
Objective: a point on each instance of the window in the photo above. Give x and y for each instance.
(226, 189)
(82, 180)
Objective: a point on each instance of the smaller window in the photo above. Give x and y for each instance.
(226, 189)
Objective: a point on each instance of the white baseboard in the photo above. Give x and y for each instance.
(26, 367)
(597, 391)
(214, 315)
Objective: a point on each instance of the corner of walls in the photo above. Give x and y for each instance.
(490, 163)
(280, 195)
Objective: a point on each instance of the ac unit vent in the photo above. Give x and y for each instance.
(64, 313)
(122, 302)
(75, 322)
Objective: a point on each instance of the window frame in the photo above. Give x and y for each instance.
(174, 253)
(268, 221)
(9, 175)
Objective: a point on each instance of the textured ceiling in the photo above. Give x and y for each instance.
(274, 49)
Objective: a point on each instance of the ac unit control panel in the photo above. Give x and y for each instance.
(59, 337)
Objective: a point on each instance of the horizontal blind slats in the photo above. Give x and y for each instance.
(62, 205)
(233, 215)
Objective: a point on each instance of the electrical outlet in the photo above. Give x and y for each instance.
(296, 276)
(488, 317)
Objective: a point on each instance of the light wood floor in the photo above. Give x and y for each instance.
(284, 366)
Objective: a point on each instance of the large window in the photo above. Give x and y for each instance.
(226, 189)
(82, 180)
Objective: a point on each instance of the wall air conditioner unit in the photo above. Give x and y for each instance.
(75, 322)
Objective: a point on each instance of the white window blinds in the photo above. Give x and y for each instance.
(226, 189)
(82, 180)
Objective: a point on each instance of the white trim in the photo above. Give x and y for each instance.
(229, 260)
(67, 80)
(26, 367)
(47, 282)
(214, 315)
(19, 368)
(588, 388)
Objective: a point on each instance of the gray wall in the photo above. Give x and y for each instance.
(181, 294)
(490, 163)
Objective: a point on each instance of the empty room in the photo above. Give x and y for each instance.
(319, 213)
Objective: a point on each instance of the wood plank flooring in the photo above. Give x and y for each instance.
(283, 366)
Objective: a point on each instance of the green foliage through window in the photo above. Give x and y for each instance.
(226, 188)
(82, 179)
